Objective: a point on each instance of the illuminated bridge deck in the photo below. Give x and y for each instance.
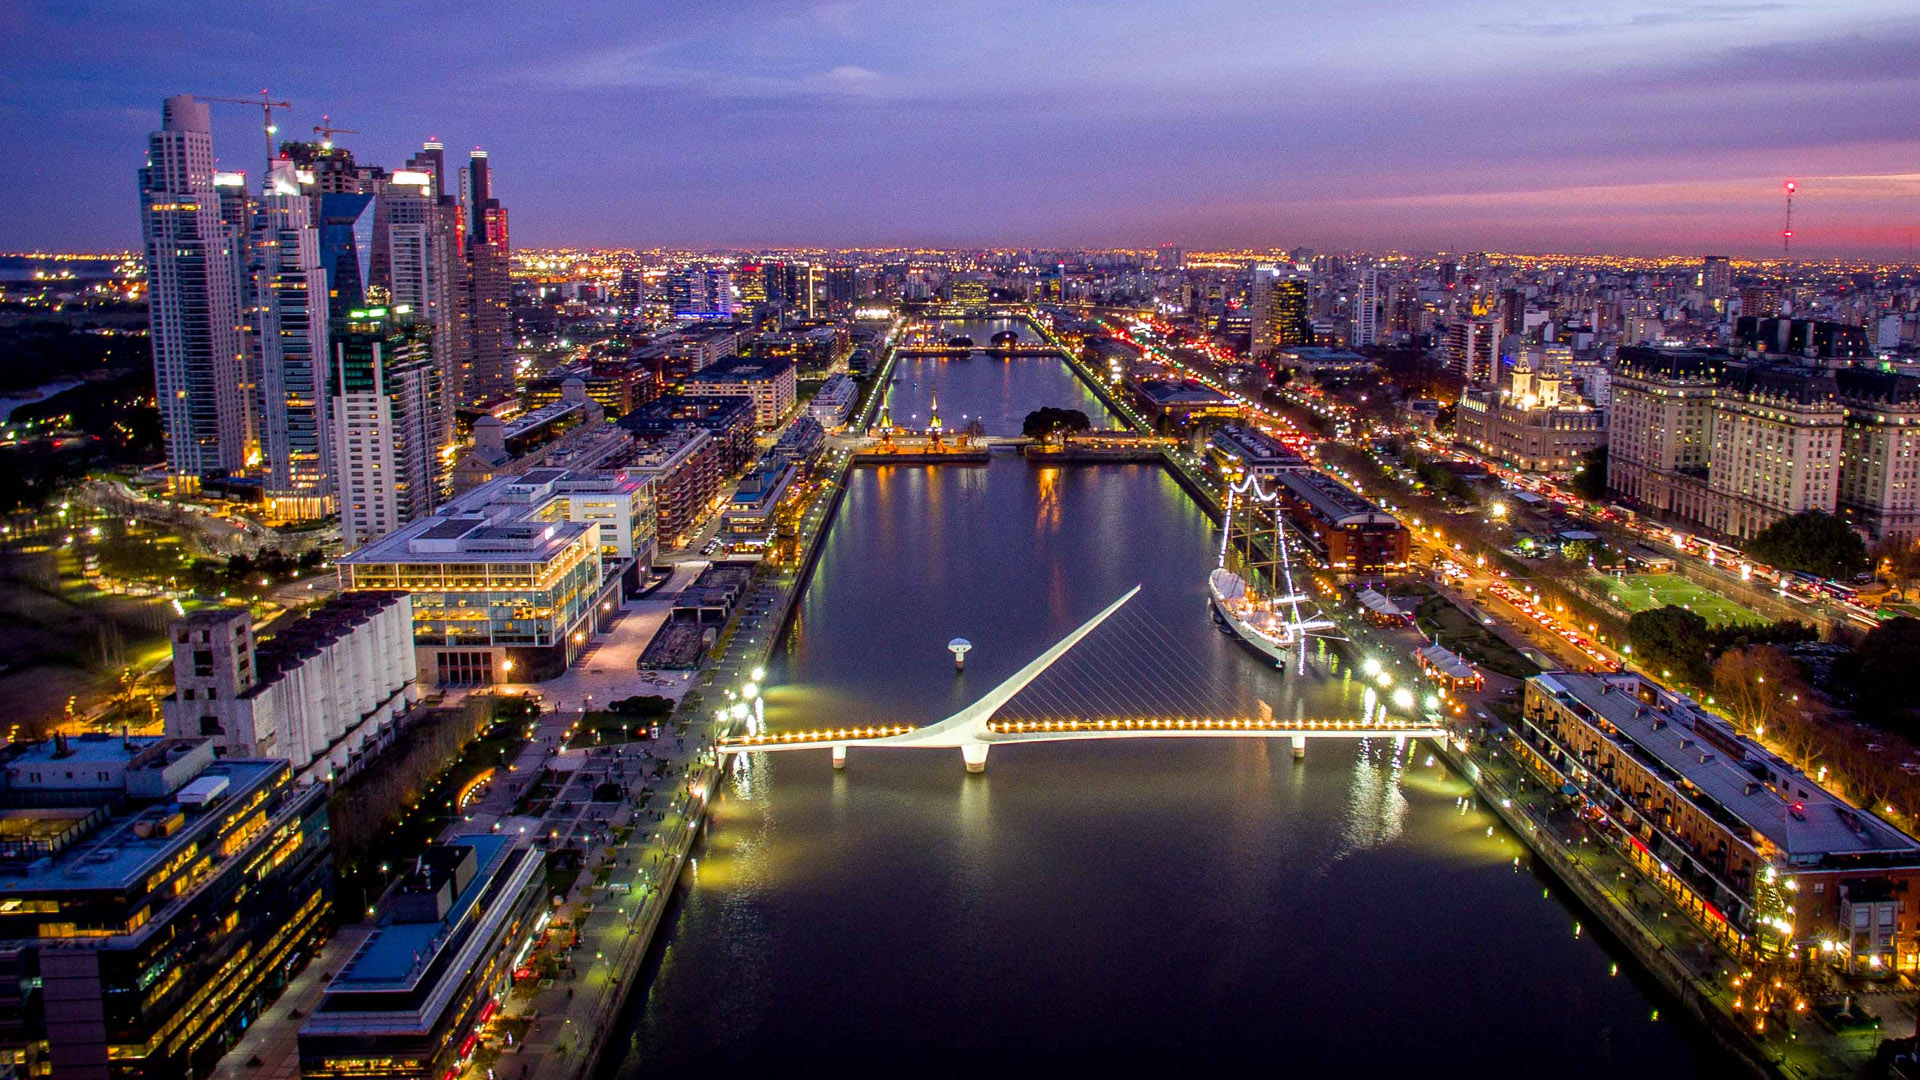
(977, 728)
(995, 731)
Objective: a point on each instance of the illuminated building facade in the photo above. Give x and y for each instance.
(387, 427)
(1282, 310)
(770, 383)
(1533, 422)
(1880, 451)
(489, 366)
(289, 344)
(1660, 432)
(417, 257)
(1776, 446)
(411, 1003)
(1346, 532)
(193, 299)
(157, 900)
(1473, 348)
(324, 691)
(509, 579)
(1750, 846)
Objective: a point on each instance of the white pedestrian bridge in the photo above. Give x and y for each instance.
(974, 730)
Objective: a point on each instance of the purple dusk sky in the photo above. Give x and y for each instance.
(1606, 125)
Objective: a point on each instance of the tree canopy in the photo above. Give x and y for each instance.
(1811, 541)
(1591, 481)
(1047, 421)
(1676, 640)
(1880, 670)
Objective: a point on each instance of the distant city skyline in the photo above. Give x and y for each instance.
(1634, 128)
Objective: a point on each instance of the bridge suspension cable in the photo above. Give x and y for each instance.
(1133, 665)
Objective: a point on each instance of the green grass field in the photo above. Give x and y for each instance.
(1644, 592)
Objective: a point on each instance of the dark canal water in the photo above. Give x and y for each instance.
(1142, 908)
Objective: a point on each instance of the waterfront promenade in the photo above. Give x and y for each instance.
(633, 859)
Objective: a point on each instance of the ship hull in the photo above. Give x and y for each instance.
(1223, 613)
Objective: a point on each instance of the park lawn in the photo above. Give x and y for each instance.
(1644, 592)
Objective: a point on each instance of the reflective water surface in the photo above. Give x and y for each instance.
(1140, 908)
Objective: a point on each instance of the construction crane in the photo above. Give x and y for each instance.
(266, 105)
(327, 131)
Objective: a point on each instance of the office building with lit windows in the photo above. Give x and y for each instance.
(288, 346)
(413, 1000)
(1735, 445)
(510, 579)
(1282, 309)
(1776, 446)
(770, 383)
(155, 901)
(1660, 427)
(1880, 451)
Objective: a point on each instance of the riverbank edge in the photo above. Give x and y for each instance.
(1653, 958)
(1649, 955)
(635, 949)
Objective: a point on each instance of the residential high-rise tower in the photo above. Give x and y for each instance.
(1366, 308)
(386, 419)
(193, 300)
(489, 369)
(288, 349)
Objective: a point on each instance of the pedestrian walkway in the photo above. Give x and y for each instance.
(273, 1038)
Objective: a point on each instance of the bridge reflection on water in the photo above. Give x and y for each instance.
(1118, 907)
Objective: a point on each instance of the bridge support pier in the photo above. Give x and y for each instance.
(975, 755)
(1299, 747)
(839, 755)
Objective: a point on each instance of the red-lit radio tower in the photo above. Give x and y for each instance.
(1786, 235)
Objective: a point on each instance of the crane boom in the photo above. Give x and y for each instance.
(266, 105)
(327, 131)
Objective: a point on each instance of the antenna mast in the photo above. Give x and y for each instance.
(1786, 234)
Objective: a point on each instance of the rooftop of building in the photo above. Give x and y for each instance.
(398, 954)
(713, 413)
(1257, 444)
(545, 416)
(1333, 501)
(1182, 392)
(1671, 363)
(742, 369)
(1878, 385)
(1801, 384)
(117, 843)
(302, 638)
(493, 522)
(1758, 790)
(1321, 355)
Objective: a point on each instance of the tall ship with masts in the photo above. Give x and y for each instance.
(1277, 624)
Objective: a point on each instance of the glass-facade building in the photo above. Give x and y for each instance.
(508, 580)
(155, 901)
